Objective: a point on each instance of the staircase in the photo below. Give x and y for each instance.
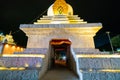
(59, 72)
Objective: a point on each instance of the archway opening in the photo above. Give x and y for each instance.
(60, 52)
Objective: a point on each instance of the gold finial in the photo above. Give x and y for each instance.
(60, 7)
(10, 33)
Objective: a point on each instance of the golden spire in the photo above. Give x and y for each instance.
(60, 7)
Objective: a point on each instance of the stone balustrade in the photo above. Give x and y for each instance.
(19, 75)
(33, 51)
(88, 51)
(99, 63)
(107, 68)
(20, 61)
(101, 75)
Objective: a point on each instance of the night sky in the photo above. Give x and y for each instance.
(16, 12)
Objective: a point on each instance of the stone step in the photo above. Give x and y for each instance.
(59, 73)
(101, 75)
(35, 50)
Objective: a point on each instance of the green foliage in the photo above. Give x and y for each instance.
(116, 41)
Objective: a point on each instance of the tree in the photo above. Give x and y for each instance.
(116, 41)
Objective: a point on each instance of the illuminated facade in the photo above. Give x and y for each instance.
(61, 31)
(8, 46)
(60, 23)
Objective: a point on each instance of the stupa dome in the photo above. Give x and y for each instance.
(60, 7)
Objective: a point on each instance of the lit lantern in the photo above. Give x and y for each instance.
(26, 65)
(6, 46)
(38, 65)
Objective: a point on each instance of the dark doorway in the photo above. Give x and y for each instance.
(60, 51)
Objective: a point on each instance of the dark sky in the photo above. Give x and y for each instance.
(16, 12)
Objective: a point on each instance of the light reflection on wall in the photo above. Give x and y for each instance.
(10, 49)
(110, 70)
(24, 55)
(26, 65)
(102, 70)
(38, 65)
(97, 56)
(12, 68)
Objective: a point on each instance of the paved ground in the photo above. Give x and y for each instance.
(60, 72)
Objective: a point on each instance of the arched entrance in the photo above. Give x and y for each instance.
(60, 52)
